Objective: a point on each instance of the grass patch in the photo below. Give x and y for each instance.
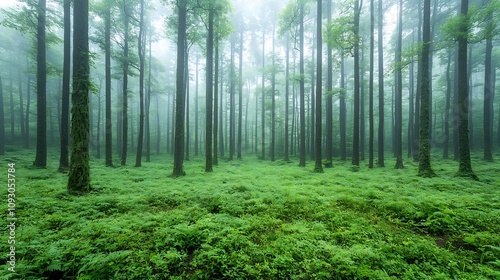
(253, 219)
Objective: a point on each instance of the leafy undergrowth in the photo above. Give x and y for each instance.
(252, 219)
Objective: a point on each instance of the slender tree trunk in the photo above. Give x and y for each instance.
(107, 52)
(342, 110)
(232, 105)
(98, 134)
(488, 98)
(209, 93)
(27, 117)
(64, 157)
(158, 126)
(399, 93)
(21, 106)
(370, 106)
(424, 167)
(196, 107)
(240, 97)
(79, 169)
(273, 103)
(41, 84)
(465, 166)
(318, 166)
(469, 94)
(355, 139)
(381, 117)
(2, 121)
(187, 131)
(287, 100)
(447, 109)
(263, 100)
(12, 113)
(216, 106)
(148, 102)
(125, 66)
(141, 51)
(180, 92)
(416, 125)
(302, 152)
(221, 127)
(362, 124)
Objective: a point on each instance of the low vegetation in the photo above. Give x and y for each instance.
(255, 219)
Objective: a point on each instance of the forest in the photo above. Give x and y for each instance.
(233, 139)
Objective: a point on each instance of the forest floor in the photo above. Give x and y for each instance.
(254, 219)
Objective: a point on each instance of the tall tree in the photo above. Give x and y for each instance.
(381, 118)
(424, 166)
(64, 157)
(107, 53)
(41, 84)
(329, 97)
(141, 50)
(370, 105)
(287, 100)
(318, 166)
(488, 94)
(79, 169)
(2, 121)
(125, 69)
(180, 90)
(465, 166)
(355, 140)
(398, 122)
(240, 91)
(302, 114)
(209, 92)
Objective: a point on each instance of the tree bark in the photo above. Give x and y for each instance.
(302, 152)
(329, 97)
(318, 166)
(355, 138)
(399, 94)
(424, 166)
(488, 100)
(465, 166)
(41, 85)
(79, 169)
(141, 51)
(381, 117)
(125, 67)
(209, 98)
(370, 105)
(178, 169)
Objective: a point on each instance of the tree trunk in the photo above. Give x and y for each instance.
(64, 159)
(79, 169)
(232, 105)
(446, 142)
(141, 51)
(370, 105)
(178, 169)
(148, 103)
(302, 152)
(355, 139)
(41, 85)
(424, 166)
(381, 117)
(263, 102)
(240, 97)
(287, 100)
(2, 121)
(465, 166)
(125, 66)
(27, 116)
(187, 131)
(196, 108)
(342, 110)
(107, 52)
(318, 166)
(488, 100)
(399, 94)
(273, 103)
(216, 107)
(209, 98)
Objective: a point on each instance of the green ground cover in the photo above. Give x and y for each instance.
(255, 219)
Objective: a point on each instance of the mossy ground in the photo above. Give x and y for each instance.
(253, 219)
